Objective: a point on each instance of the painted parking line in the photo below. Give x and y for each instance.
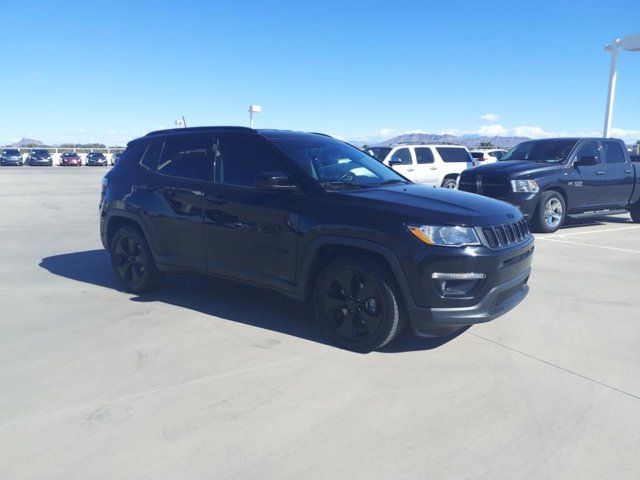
(555, 240)
(602, 230)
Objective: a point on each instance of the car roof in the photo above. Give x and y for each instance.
(265, 133)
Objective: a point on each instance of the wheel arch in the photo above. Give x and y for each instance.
(327, 248)
(119, 219)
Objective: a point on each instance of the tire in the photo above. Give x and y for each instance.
(449, 183)
(635, 212)
(133, 262)
(550, 213)
(357, 304)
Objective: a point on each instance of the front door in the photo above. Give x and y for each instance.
(586, 184)
(402, 162)
(249, 233)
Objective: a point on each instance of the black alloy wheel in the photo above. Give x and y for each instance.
(132, 261)
(357, 305)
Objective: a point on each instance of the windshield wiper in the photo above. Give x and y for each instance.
(337, 184)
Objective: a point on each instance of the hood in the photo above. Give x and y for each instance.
(438, 206)
(515, 168)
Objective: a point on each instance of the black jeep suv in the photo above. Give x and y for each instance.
(313, 217)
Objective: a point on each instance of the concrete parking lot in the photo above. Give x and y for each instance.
(207, 379)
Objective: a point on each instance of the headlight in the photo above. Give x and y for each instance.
(525, 186)
(445, 236)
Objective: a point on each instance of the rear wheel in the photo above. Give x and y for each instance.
(550, 214)
(357, 304)
(132, 261)
(449, 183)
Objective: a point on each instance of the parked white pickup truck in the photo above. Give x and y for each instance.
(438, 165)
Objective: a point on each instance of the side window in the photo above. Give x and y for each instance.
(613, 152)
(132, 154)
(402, 156)
(186, 159)
(240, 162)
(424, 155)
(498, 154)
(151, 155)
(589, 149)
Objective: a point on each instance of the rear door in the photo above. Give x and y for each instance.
(619, 176)
(249, 233)
(402, 161)
(174, 204)
(426, 170)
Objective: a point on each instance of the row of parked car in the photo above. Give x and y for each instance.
(43, 158)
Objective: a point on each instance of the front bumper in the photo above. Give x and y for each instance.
(507, 274)
(525, 202)
(14, 163)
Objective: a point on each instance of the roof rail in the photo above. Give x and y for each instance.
(426, 143)
(323, 134)
(198, 129)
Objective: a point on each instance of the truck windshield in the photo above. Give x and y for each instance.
(547, 151)
(334, 164)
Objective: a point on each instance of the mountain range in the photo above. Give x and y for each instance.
(469, 141)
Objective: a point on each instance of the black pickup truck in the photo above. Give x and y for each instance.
(552, 178)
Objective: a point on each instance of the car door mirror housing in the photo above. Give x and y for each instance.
(394, 162)
(275, 181)
(586, 161)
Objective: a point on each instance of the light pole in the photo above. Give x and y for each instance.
(631, 43)
(253, 109)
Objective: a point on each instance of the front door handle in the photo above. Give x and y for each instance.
(433, 168)
(600, 172)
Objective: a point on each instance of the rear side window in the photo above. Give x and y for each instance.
(479, 155)
(131, 155)
(453, 154)
(402, 156)
(186, 159)
(239, 163)
(151, 155)
(613, 152)
(424, 155)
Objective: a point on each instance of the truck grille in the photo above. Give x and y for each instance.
(501, 236)
(494, 186)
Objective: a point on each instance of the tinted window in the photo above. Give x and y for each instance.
(186, 159)
(478, 155)
(498, 154)
(424, 155)
(150, 156)
(549, 151)
(132, 154)
(613, 152)
(402, 156)
(589, 149)
(12, 152)
(635, 158)
(239, 163)
(454, 154)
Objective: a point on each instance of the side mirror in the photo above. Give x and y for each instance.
(394, 162)
(586, 161)
(275, 181)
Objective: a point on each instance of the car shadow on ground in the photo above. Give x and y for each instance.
(224, 299)
(593, 221)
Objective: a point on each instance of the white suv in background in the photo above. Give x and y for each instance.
(487, 155)
(438, 165)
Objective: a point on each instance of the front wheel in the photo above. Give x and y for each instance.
(133, 262)
(357, 304)
(550, 214)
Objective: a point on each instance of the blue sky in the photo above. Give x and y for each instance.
(110, 71)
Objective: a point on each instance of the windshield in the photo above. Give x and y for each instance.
(12, 152)
(68, 154)
(547, 151)
(454, 154)
(379, 153)
(39, 153)
(96, 155)
(335, 164)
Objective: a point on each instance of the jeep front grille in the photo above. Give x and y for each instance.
(506, 235)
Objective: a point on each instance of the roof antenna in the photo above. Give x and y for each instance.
(182, 123)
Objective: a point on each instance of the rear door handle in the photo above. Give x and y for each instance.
(215, 198)
(433, 168)
(628, 171)
(600, 172)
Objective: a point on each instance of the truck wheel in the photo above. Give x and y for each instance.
(550, 214)
(449, 183)
(132, 261)
(357, 304)
(635, 212)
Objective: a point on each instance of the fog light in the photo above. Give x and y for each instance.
(457, 284)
